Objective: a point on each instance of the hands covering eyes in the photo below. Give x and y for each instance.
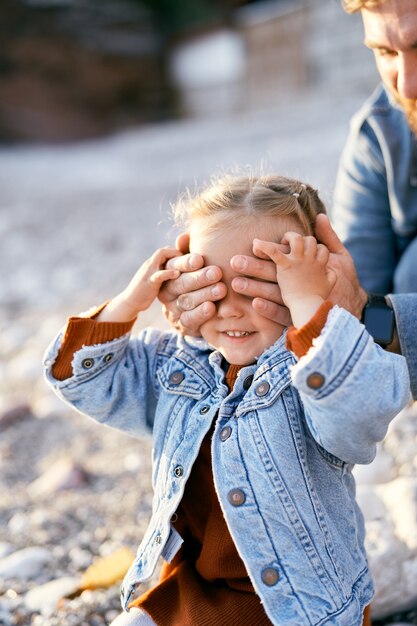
(189, 300)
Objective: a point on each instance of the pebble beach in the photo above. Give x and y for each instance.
(75, 223)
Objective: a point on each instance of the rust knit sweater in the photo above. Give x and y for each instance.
(206, 584)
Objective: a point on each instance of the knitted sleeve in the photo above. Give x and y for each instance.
(300, 340)
(85, 331)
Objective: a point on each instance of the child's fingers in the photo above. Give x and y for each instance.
(295, 241)
(310, 246)
(186, 263)
(261, 254)
(162, 255)
(160, 276)
(269, 249)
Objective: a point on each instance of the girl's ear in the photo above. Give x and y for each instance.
(182, 243)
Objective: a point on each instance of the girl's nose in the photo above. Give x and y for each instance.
(230, 305)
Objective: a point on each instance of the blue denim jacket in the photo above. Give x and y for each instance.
(283, 475)
(405, 307)
(375, 198)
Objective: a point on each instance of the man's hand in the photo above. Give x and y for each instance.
(347, 291)
(188, 301)
(259, 281)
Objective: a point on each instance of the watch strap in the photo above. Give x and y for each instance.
(379, 319)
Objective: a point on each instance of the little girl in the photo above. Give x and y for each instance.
(255, 427)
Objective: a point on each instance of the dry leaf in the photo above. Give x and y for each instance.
(107, 570)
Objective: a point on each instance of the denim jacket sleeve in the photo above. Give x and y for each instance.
(114, 382)
(405, 307)
(350, 388)
(361, 212)
(375, 199)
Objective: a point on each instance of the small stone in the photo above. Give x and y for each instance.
(381, 470)
(5, 617)
(400, 498)
(111, 615)
(410, 577)
(5, 548)
(24, 564)
(386, 555)
(18, 523)
(45, 598)
(371, 503)
(63, 474)
(133, 462)
(47, 404)
(80, 558)
(26, 366)
(14, 415)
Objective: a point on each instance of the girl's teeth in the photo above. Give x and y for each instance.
(236, 333)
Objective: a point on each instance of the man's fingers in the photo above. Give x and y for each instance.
(331, 278)
(327, 236)
(191, 321)
(257, 288)
(199, 279)
(254, 267)
(270, 310)
(190, 281)
(193, 299)
(322, 253)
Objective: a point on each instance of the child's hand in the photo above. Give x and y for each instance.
(303, 276)
(142, 289)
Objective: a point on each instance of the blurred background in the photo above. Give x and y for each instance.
(109, 109)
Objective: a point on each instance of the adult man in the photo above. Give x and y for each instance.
(375, 206)
(375, 202)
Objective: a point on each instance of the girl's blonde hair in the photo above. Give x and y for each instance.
(229, 198)
(353, 6)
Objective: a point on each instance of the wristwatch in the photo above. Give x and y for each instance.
(379, 319)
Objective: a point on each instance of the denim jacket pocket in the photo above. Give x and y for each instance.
(179, 378)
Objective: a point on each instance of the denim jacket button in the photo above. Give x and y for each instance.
(158, 539)
(236, 497)
(315, 380)
(270, 576)
(87, 364)
(262, 389)
(204, 409)
(225, 433)
(247, 382)
(108, 357)
(176, 378)
(179, 471)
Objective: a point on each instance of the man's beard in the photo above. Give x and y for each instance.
(410, 109)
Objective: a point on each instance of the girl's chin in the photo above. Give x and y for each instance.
(235, 359)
